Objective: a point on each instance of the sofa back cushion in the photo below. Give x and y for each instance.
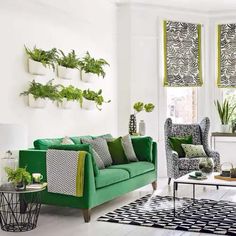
(143, 148)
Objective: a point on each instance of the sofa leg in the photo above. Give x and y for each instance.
(87, 215)
(169, 181)
(154, 185)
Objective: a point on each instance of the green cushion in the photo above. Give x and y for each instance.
(175, 143)
(110, 176)
(117, 152)
(79, 147)
(191, 150)
(135, 168)
(43, 144)
(143, 148)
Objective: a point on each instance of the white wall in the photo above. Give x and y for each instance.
(143, 69)
(81, 25)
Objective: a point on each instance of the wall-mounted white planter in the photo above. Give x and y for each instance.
(88, 104)
(88, 77)
(66, 104)
(37, 68)
(67, 73)
(37, 103)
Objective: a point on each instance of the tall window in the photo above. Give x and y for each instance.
(182, 104)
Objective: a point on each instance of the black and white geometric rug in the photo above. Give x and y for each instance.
(203, 216)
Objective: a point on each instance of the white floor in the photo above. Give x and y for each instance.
(58, 221)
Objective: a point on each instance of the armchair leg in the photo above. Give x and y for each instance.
(169, 180)
(217, 187)
(87, 215)
(154, 185)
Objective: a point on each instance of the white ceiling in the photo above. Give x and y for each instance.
(193, 5)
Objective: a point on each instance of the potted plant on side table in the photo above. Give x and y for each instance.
(91, 67)
(225, 112)
(19, 177)
(41, 62)
(68, 65)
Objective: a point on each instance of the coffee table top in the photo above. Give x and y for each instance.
(209, 181)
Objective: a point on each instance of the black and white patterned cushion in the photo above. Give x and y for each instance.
(98, 160)
(128, 148)
(101, 148)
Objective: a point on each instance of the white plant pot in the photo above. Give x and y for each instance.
(67, 73)
(66, 104)
(88, 104)
(88, 77)
(225, 128)
(37, 68)
(37, 103)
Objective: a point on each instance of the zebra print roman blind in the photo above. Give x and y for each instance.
(226, 56)
(182, 54)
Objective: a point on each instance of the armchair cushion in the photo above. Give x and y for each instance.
(193, 150)
(176, 143)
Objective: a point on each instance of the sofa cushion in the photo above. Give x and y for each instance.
(143, 148)
(117, 152)
(128, 148)
(189, 163)
(101, 147)
(77, 139)
(110, 176)
(193, 150)
(135, 168)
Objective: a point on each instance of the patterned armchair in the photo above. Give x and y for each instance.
(176, 167)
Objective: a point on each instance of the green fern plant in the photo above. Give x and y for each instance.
(225, 111)
(39, 90)
(70, 93)
(91, 65)
(47, 58)
(69, 61)
(96, 97)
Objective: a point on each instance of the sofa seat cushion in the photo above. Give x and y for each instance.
(135, 168)
(110, 176)
(189, 163)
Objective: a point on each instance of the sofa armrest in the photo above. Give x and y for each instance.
(154, 154)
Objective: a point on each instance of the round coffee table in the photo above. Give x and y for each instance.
(19, 210)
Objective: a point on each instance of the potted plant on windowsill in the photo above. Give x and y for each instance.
(225, 112)
(68, 65)
(19, 177)
(68, 96)
(138, 107)
(92, 99)
(41, 62)
(39, 94)
(91, 67)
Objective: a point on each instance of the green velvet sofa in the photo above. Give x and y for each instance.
(100, 185)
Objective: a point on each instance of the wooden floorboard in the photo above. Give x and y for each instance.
(59, 221)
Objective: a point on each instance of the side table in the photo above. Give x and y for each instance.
(19, 210)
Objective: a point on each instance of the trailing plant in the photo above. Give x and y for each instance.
(20, 175)
(47, 58)
(71, 94)
(39, 90)
(95, 96)
(140, 106)
(225, 111)
(69, 61)
(91, 65)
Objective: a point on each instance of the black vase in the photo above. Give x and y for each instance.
(132, 124)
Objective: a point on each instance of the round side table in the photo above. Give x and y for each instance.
(19, 210)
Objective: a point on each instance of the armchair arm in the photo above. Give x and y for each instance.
(215, 156)
(172, 159)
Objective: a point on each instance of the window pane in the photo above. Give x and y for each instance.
(182, 104)
(230, 95)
